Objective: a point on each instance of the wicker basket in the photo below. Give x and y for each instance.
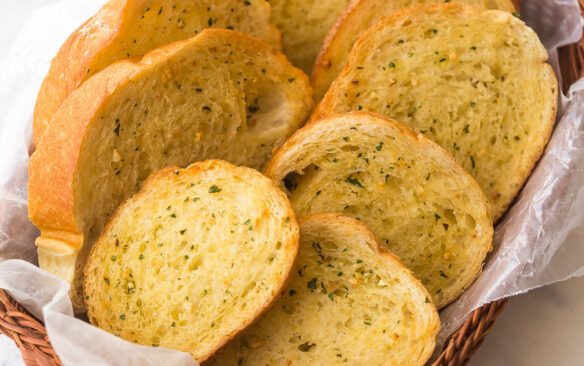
(30, 335)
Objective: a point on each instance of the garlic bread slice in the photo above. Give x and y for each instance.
(193, 258)
(413, 195)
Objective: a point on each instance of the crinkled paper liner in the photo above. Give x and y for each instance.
(540, 240)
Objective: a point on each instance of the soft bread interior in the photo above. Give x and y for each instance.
(355, 20)
(304, 25)
(487, 97)
(131, 28)
(418, 201)
(348, 302)
(149, 24)
(193, 258)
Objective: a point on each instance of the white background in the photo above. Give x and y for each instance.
(544, 327)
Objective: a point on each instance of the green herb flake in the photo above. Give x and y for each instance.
(345, 138)
(437, 217)
(113, 258)
(359, 261)
(442, 274)
(291, 80)
(331, 296)
(306, 346)
(367, 322)
(427, 300)
(312, 284)
(292, 292)
(247, 3)
(182, 232)
(214, 189)
(106, 280)
(141, 257)
(472, 104)
(123, 317)
(466, 130)
(173, 215)
(380, 146)
(472, 162)
(354, 181)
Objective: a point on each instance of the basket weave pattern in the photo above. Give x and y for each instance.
(30, 335)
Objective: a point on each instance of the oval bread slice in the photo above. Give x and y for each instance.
(349, 302)
(193, 258)
(129, 28)
(221, 94)
(419, 202)
(304, 25)
(488, 97)
(354, 21)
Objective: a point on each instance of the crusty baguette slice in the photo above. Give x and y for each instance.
(304, 25)
(355, 20)
(419, 202)
(476, 82)
(349, 302)
(221, 94)
(129, 28)
(193, 258)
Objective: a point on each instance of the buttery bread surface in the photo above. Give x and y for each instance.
(129, 28)
(413, 195)
(476, 82)
(349, 302)
(193, 258)
(355, 20)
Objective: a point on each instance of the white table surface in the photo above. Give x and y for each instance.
(542, 328)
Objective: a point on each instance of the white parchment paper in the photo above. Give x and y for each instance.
(540, 240)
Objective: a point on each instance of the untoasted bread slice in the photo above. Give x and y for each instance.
(355, 20)
(192, 259)
(476, 82)
(419, 202)
(349, 302)
(304, 25)
(222, 94)
(129, 28)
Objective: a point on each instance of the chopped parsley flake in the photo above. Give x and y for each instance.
(354, 181)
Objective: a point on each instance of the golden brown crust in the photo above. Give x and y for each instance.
(70, 64)
(247, 174)
(538, 152)
(323, 59)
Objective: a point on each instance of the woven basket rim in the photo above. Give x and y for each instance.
(31, 337)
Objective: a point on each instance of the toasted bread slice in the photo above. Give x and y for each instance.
(349, 302)
(193, 258)
(488, 97)
(304, 25)
(222, 94)
(129, 28)
(355, 20)
(419, 202)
